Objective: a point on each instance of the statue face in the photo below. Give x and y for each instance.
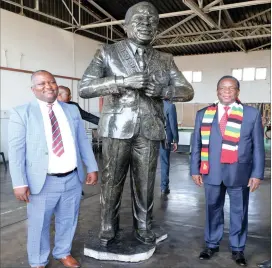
(143, 24)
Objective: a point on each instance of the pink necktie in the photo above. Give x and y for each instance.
(57, 144)
(224, 120)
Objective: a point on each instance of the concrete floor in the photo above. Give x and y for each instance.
(182, 214)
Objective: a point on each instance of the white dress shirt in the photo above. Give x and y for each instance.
(68, 160)
(221, 110)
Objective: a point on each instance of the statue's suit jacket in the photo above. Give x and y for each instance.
(122, 106)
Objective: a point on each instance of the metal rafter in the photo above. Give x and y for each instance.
(195, 42)
(264, 26)
(253, 17)
(192, 5)
(186, 19)
(70, 12)
(217, 34)
(98, 18)
(262, 46)
(230, 23)
(186, 12)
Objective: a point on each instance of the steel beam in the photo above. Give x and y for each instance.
(254, 16)
(38, 12)
(241, 28)
(68, 9)
(214, 41)
(262, 46)
(185, 20)
(186, 12)
(194, 7)
(97, 17)
(101, 9)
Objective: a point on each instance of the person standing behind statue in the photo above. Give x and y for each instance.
(172, 136)
(134, 78)
(65, 96)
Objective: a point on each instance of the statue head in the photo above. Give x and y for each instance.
(141, 23)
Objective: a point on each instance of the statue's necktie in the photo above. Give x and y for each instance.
(224, 120)
(141, 59)
(57, 144)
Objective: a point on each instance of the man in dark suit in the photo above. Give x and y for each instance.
(172, 136)
(65, 96)
(134, 78)
(227, 155)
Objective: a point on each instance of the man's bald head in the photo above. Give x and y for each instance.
(36, 73)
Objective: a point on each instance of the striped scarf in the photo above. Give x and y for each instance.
(229, 152)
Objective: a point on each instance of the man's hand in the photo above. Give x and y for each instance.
(92, 178)
(22, 193)
(175, 147)
(197, 179)
(254, 184)
(136, 81)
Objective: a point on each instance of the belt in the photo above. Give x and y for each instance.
(61, 174)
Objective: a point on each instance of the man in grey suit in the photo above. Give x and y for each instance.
(47, 142)
(134, 78)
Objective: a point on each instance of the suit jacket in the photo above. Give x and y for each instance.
(28, 152)
(123, 106)
(171, 123)
(251, 154)
(85, 115)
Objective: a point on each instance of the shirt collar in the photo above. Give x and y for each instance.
(134, 47)
(44, 104)
(221, 106)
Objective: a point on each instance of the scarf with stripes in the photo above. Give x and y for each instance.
(231, 137)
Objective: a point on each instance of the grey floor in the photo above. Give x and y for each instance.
(182, 215)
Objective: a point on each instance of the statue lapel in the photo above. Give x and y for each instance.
(127, 58)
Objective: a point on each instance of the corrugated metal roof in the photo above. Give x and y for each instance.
(192, 37)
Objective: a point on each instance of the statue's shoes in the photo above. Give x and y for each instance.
(106, 237)
(145, 236)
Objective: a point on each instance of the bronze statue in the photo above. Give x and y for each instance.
(134, 78)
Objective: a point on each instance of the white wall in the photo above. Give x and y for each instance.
(214, 66)
(31, 45)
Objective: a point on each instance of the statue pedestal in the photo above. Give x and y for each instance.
(125, 247)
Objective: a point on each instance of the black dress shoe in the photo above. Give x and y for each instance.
(207, 253)
(239, 258)
(265, 264)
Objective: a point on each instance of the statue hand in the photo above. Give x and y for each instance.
(136, 81)
(153, 90)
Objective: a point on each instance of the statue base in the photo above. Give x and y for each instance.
(125, 247)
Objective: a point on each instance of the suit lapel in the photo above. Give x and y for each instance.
(216, 124)
(127, 57)
(38, 121)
